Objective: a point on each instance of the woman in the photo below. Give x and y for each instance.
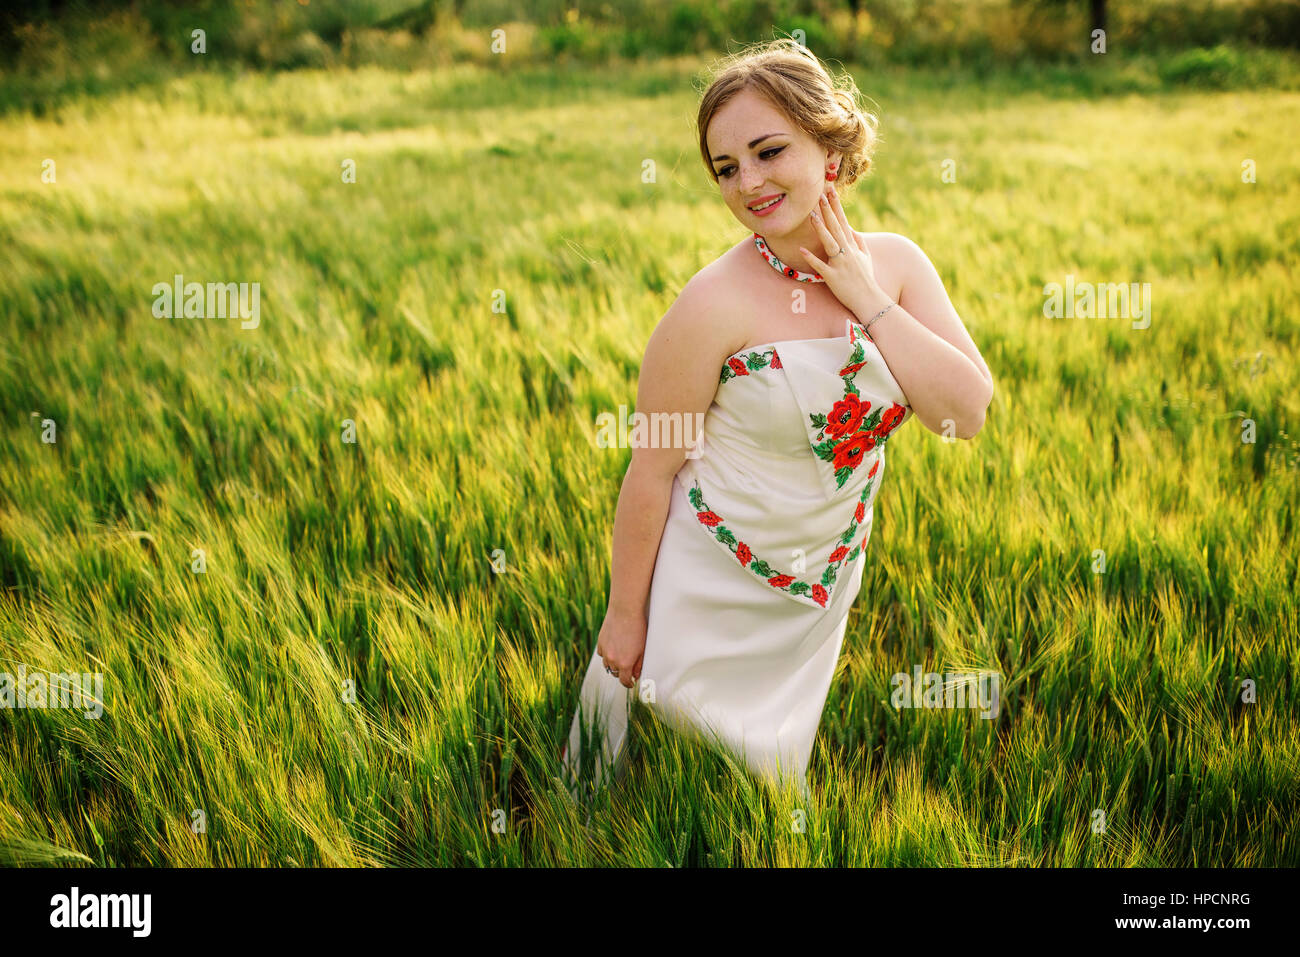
(805, 347)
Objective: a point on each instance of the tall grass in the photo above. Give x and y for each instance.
(48, 57)
(374, 567)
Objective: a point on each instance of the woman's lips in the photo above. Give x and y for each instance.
(775, 206)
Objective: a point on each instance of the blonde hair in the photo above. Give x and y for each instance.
(792, 79)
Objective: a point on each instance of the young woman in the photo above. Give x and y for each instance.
(803, 348)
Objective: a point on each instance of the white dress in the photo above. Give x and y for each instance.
(760, 560)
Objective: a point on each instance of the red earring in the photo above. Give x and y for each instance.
(831, 174)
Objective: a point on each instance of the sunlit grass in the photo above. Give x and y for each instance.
(372, 563)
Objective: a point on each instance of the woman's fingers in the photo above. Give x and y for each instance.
(848, 230)
(626, 673)
(829, 226)
(819, 267)
(840, 218)
(829, 242)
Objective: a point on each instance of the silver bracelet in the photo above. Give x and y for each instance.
(876, 317)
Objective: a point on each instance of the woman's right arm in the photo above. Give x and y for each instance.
(679, 375)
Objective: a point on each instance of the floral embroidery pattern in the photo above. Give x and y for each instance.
(736, 366)
(781, 267)
(851, 429)
(789, 583)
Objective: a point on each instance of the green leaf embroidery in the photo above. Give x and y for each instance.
(859, 354)
(824, 450)
(752, 360)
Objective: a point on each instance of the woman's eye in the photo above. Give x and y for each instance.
(726, 171)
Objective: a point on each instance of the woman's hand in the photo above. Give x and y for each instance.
(850, 274)
(622, 645)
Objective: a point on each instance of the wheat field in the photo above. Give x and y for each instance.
(341, 568)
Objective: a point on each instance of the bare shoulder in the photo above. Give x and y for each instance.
(683, 361)
(897, 247)
(893, 258)
(705, 310)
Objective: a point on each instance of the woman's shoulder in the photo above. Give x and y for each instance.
(895, 256)
(726, 264)
(887, 241)
(713, 281)
(708, 305)
(894, 245)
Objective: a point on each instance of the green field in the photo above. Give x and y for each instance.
(375, 562)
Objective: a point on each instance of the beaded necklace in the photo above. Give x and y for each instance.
(787, 271)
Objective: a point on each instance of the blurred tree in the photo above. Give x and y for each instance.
(857, 7)
(1098, 14)
(1096, 7)
(421, 16)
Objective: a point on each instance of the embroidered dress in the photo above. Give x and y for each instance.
(761, 558)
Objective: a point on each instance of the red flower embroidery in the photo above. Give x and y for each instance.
(818, 592)
(752, 361)
(889, 420)
(851, 430)
(846, 416)
(849, 453)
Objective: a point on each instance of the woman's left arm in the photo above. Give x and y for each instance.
(926, 346)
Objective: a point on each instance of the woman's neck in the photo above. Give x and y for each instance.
(786, 247)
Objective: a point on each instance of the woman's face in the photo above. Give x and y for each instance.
(753, 166)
